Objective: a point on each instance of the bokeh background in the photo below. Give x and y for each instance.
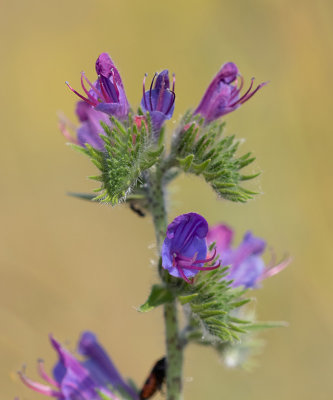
(68, 265)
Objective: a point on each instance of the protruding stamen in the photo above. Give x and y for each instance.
(182, 274)
(98, 94)
(172, 101)
(115, 83)
(150, 90)
(106, 96)
(45, 376)
(78, 94)
(66, 133)
(207, 259)
(196, 268)
(144, 91)
(275, 269)
(38, 387)
(241, 100)
(173, 82)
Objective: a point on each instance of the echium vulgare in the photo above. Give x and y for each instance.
(200, 271)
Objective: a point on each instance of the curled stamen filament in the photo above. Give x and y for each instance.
(38, 387)
(182, 263)
(45, 376)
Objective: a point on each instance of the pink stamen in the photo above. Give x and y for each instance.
(107, 98)
(172, 101)
(114, 83)
(150, 89)
(80, 95)
(38, 387)
(207, 259)
(45, 376)
(144, 91)
(186, 279)
(243, 100)
(241, 83)
(66, 133)
(196, 268)
(246, 93)
(173, 82)
(83, 76)
(275, 269)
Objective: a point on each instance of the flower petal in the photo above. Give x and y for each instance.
(100, 366)
(76, 382)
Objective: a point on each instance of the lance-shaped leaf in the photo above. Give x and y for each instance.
(159, 295)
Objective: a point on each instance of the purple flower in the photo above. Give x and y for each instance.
(184, 250)
(160, 101)
(247, 267)
(90, 128)
(223, 94)
(107, 93)
(75, 380)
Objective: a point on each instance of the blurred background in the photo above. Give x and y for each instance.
(68, 265)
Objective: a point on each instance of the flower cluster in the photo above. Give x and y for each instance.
(184, 252)
(106, 97)
(81, 380)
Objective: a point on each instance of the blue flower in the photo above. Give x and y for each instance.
(184, 250)
(160, 100)
(75, 380)
(107, 93)
(223, 94)
(247, 267)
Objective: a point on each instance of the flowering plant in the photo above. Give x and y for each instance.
(199, 270)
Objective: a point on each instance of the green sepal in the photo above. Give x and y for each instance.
(186, 162)
(258, 325)
(159, 295)
(186, 299)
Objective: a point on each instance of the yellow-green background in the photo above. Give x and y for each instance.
(67, 265)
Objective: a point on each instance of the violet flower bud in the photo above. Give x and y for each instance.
(73, 379)
(184, 250)
(107, 93)
(247, 267)
(223, 94)
(160, 100)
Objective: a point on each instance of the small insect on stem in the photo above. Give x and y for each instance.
(155, 380)
(137, 210)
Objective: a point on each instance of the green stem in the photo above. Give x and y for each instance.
(174, 350)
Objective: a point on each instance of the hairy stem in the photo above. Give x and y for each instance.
(173, 343)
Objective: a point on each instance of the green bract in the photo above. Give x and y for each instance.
(127, 153)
